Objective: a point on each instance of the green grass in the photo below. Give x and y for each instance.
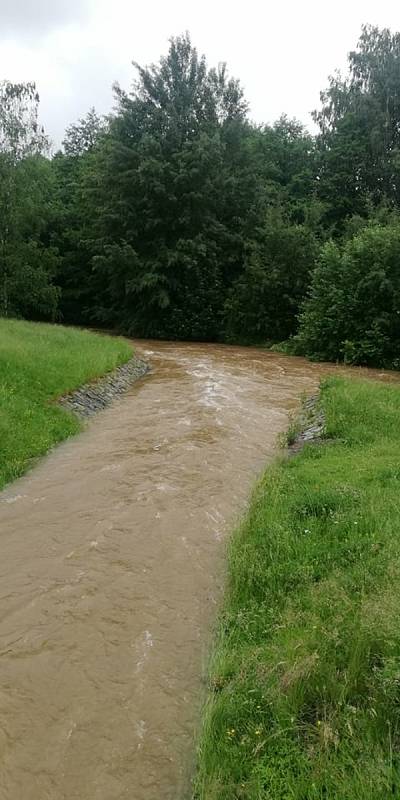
(304, 701)
(39, 363)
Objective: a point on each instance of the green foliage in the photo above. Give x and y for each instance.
(74, 232)
(360, 130)
(353, 311)
(264, 302)
(27, 263)
(304, 683)
(166, 213)
(176, 191)
(20, 132)
(287, 160)
(177, 217)
(38, 364)
(83, 136)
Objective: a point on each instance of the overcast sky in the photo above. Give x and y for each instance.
(282, 51)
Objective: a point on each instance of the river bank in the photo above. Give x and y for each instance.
(303, 699)
(98, 395)
(38, 364)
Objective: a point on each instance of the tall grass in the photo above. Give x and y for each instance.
(304, 699)
(38, 363)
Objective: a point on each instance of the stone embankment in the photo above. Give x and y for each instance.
(310, 425)
(93, 397)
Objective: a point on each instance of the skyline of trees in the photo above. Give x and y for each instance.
(177, 217)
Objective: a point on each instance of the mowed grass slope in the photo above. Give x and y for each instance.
(305, 688)
(38, 363)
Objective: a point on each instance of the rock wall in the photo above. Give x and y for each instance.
(93, 397)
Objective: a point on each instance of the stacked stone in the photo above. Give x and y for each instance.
(93, 397)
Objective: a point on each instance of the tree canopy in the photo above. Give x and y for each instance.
(177, 217)
(27, 260)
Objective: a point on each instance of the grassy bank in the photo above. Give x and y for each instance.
(305, 689)
(38, 363)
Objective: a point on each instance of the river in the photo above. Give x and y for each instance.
(112, 561)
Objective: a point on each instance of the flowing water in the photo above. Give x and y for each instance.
(111, 566)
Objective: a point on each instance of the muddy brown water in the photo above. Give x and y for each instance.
(111, 568)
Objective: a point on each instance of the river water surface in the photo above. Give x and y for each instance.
(111, 567)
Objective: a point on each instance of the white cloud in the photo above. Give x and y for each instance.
(282, 52)
(33, 18)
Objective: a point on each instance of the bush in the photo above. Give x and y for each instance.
(353, 310)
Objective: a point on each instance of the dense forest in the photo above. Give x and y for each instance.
(177, 217)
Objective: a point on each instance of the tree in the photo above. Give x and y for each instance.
(176, 194)
(264, 302)
(359, 142)
(287, 160)
(75, 169)
(20, 132)
(27, 264)
(353, 309)
(83, 136)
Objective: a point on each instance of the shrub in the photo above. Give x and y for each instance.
(353, 310)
